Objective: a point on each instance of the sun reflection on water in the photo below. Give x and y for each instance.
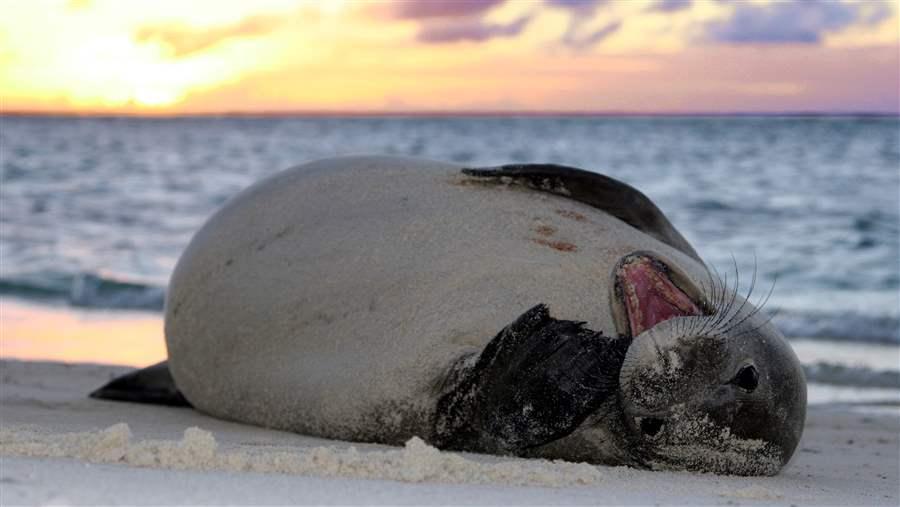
(68, 335)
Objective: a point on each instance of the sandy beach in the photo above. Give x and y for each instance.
(59, 447)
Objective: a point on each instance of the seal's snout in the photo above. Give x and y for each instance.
(647, 293)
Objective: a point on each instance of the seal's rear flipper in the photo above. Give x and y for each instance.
(153, 384)
(535, 382)
(618, 199)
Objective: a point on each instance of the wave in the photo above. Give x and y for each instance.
(841, 375)
(839, 325)
(93, 290)
(87, 290)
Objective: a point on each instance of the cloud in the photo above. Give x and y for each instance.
(579, 6)
(441, 8)
(185, 40)
(447, 21)
(670, 5)
(585, 41)
(580, 13)
(469, 29)
(798, 21)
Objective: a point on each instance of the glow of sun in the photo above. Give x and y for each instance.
(155, 97)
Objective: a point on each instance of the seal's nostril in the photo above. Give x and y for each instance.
(651, 426)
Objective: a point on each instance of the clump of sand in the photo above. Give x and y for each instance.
(198, 450)
(754, 492)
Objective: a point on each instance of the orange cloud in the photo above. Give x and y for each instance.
(185, 40)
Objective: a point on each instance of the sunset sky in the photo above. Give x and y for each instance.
(659, 56)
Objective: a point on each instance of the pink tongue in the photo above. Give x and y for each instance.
(651, 297)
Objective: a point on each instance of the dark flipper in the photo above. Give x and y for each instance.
(535, 382)
(602, 192)
(153, 384)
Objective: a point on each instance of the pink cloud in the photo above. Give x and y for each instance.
(469, 30)
(441, 8)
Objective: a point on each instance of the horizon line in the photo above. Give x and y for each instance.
(317, 113)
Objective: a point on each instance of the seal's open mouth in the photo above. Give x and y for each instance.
(645, 288)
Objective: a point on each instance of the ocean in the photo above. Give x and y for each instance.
(94, 212)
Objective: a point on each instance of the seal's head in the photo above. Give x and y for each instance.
(707, 383)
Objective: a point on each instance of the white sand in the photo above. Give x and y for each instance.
(59, 447)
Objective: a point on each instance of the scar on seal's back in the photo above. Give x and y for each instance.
(562, 246)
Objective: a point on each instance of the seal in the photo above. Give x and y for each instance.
(532, 310)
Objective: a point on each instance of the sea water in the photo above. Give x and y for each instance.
(94, 212)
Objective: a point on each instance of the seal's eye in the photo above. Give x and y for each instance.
(651, 426)
(747, 378)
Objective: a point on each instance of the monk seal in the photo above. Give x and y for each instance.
(532, 310)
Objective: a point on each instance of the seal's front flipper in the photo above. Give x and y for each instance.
(618, 199)
(153, 384)
(535, 382)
